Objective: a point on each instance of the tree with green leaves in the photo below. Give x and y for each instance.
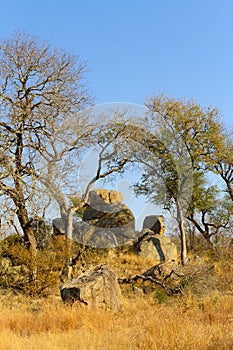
(184, 133)
(209, 211)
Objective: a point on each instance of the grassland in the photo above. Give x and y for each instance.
(183, 323)
(199, 319)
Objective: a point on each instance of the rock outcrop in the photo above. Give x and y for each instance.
(58, 226)
(107, 222)
(105, 209)
(157, 247)
(155, 223)
(98, 288)
(101, 197)
(117, 215)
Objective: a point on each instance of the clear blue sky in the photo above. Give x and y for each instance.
(182, 48)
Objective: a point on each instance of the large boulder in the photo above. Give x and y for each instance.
(102, 196)
(97, 288)
(105, 209)
(99, 237)
(155, 223)
(157, 247)
(58, 226)
(106, 221)
(115, 215)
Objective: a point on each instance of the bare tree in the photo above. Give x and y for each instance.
(62, 162)
(41, 89)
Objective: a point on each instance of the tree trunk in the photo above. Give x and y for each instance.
(18, 196)
(180, 219)
(204, 233)
(29, 236)
(69, 224)
(229, 188)
(69, 235)
(67, 220)
(26, 225)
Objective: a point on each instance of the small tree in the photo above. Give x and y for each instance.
(184, 135)
(210, 213)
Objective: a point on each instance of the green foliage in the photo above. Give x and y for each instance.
(29, 274)
(160, 295)
(185, 131)
(189, 141)
(204, 196)
(39, 275)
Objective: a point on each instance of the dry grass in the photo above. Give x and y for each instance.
(201, 319)
(184, 323)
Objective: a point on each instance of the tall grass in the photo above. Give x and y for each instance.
(184, 323)
(200, 319)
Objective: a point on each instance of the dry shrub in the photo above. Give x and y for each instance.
(224, 274)
(41, 275)
(28, 274)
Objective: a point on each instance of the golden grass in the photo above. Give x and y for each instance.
(182, 323)
(201, 319)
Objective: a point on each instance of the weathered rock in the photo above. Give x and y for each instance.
(162, 271)
(106, 222)
(97, 287)
(58, 226)
(155, 223)
(101, 196)
(157, 247)
(100, 237)
(113, 216)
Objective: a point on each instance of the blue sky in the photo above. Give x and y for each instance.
(182, 48)
(136, 48)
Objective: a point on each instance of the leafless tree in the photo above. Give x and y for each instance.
(41, 89)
